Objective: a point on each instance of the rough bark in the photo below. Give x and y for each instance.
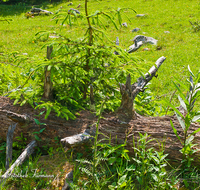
(76, 139)
(9, 143)
(26, 153)
(48, 85)
(24, 117)
(129, 92)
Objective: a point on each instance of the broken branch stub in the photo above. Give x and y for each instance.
(48, 85)
(9, 144)
(129, 92)
(26, 153)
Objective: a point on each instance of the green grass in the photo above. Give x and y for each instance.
(180, 46)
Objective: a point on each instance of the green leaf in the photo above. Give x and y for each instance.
(195, 118)
(49, 67)
(37, 138)
(111, 20)
(41, 130)
(175, 109)
(111, 160)
(189, 140)
(15, 102)
(175, 131)
(154, 176)
(48, 112)
(181, 93)
(23, 102)
(37, 121)
(181, 121)
(182, 103)
(196, 131)
(181, 83)
(122, 179)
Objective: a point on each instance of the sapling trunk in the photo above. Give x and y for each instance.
(88, 55)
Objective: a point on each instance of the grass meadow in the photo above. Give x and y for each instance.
(179, 45)
(168, 21)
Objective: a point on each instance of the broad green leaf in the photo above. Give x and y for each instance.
(111, 160)
(182, 103)
(154, 177)
(37, 121)
(181, 83)
(195, 118)
(175, 109)
(15, 102)
(37, 138)
(41, 130)
(181, 121)
(189, 140)
(48, 112)
(122, 179)
(23, 102)
(175, 131)
(181, 93)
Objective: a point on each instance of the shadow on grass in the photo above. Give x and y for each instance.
(17, 9)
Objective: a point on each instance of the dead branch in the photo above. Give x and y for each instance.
(9, 144)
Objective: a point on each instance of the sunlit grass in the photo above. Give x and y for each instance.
(179, 45)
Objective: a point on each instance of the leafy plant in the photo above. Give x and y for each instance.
(188, 116)
(150, 164)
(94, 61)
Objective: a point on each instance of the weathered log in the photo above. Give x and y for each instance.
(18, 118)
(38, 10)
(135, 47)
(76, 139)
(26, 153)
(139, 40)
(129, 92)
(25, 115)
(158, 128)
(9, 144)
(68, 180)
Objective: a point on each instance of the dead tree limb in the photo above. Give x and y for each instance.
(18, 118)
(26, 153)
(76, 139)
(129, 92)
(9, 144)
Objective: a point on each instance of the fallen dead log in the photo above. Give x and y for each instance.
(26, 153)
(120, 124)
(18, 118)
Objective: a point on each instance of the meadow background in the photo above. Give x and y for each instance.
(165, 20)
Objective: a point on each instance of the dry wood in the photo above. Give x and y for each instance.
(9, 144)
(76, 139)
(92, 102)
(26, 153)
(18, 118)
(129, 92)
(48, 85)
